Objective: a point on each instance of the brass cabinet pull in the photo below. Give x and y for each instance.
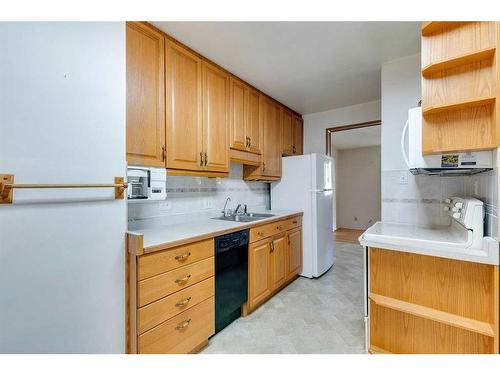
(183, 325)
(263, 167)
(182, 303)
(272, 246)
(279, 227)
(182, 257)
(260, 234)
(183, 280)
(294, 222)
(201, 159)
(206, 159)
(249, 142)
(294, 151)
(163, 152)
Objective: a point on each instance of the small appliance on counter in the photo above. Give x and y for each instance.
(450, 164)
(231, 277)
(146, 183)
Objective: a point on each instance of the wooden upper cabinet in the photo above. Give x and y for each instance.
(298, 135)
(254, 129)
(184, 116)
(145, 95)
(238, 114)
(278, 261)
(287, 128)
(271, 124)
(215, 118)
(259, 272)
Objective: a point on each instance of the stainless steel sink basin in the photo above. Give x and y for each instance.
(244, 218)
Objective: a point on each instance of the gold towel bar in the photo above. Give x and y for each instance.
(7, 186)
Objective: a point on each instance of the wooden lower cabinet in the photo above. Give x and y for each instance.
(170, 297)
(259, 272)
(425, 304)
(273, 261)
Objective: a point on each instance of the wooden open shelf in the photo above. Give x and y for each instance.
(432, 110)
(376, 350)
(430, 27)
(466, 58)
(453, 320)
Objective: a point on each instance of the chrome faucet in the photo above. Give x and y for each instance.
(224, 212)
(237, 211)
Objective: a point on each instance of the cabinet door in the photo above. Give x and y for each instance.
(298, 138)
(287, 130)
(271, 161)
(238, 114)
(278, 261)
(145, 95)
(215, 118)
(294, 253)
(254, 128)
(184, 117)
(259, 270)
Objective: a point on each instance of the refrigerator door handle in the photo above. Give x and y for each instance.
(320, 190)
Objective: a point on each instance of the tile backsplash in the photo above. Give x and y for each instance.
(420, 199)
(201, 196)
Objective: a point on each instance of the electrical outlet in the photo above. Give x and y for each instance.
(208, 203)
(403, 178)
(165, 205)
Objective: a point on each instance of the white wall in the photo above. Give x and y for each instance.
(419, 200)
(315, 124)
(62, 119)
(358, 187)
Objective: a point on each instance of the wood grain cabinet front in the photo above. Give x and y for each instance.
(294, 253)
(184, 333)
(278, 253)
(259, 272)
(145, 113)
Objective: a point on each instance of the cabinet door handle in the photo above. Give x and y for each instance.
(249, 142)
(182, 257)
(183, 325)
(182, 303)
(163, 152)
(201, 159)
(294, 151)
(183, 279)
(206, 159)
(272, 246)
(263, 167)
(294, 222)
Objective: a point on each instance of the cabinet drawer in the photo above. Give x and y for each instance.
(294, 222)
(162, 285)
(267, 230)
(181, 334)
(165, 308)
(164, 261)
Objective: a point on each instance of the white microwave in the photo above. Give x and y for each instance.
(449, 164)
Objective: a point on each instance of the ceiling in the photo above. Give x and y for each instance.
(308, 66)
(357, 138)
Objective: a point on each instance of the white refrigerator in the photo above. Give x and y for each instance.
(306, 185)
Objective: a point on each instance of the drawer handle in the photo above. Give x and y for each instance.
(182, 257)
(183, 280)
(279, 227)
(183, 325)
(294, 222)
(260, 234)
(182, 303)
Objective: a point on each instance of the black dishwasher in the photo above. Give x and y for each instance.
(231, 277)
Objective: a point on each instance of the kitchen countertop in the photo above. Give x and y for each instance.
(444, 242)
(164, 237)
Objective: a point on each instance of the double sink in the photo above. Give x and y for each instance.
(244, 218)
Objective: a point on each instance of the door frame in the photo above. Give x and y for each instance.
(328, 135)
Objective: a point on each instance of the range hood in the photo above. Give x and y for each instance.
(451, 164)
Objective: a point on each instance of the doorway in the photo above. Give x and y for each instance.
(355, 152)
